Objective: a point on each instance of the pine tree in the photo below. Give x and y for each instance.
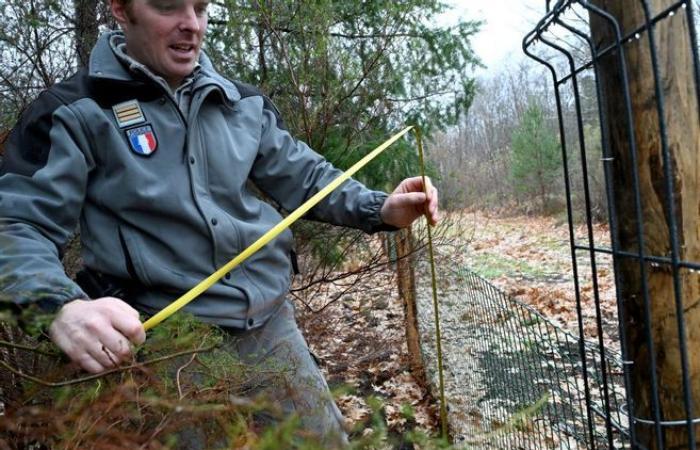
(536, 156)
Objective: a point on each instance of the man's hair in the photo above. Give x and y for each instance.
(127, 3)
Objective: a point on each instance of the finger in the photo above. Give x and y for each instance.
(428, 186)
(413, 184)
(417, 182)
(433, 219)
(433, 201)
(432, 196)
(90, 364)
(120, 305)
(103, 356)
(118, 346)
(131, 328)
(410, 199)
(127, 323)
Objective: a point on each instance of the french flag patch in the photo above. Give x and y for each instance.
(142, 140)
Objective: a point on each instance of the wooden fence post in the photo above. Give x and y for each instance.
(673, 46)
(407, 291)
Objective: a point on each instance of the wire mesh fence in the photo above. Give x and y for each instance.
(639, 60)
(527, 385)
(542, 394)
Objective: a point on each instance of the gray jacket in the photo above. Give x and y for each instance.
(161, 199)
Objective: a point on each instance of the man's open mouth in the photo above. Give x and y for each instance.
(183, 48)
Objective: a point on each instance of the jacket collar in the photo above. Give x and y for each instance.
(105, 65)
(208, 75)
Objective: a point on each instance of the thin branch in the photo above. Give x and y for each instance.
(420, 97)
(177, 375)
(106, 372)
(34, 349)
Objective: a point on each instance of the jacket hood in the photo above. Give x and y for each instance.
(104, 65)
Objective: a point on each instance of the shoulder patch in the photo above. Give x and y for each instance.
(128, 113)
(142, 140)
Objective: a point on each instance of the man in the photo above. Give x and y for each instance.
(150, 150)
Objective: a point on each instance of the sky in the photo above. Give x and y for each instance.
(506, 23)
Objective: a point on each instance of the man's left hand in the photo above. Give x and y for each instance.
(408, 202)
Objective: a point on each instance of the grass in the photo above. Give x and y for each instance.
(492, 266)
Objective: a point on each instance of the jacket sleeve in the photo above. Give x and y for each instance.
(43, 176)
(291, 172)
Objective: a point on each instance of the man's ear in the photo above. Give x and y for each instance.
(119, 12)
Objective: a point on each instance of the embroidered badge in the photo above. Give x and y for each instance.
(142, 140)
(128, 113)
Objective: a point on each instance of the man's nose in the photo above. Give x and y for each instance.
(189, 20)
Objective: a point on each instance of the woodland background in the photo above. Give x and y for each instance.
(346, 75)
(344, 81)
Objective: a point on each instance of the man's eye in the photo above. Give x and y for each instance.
(201, 10)
(165, 6)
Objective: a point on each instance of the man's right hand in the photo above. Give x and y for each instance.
(97, 334)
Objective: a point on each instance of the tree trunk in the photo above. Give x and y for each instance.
(543, 195)
(3, 138)
(407, 291)
(86, 28)
(673, 46)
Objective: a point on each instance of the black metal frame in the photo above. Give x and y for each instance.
(540, 35)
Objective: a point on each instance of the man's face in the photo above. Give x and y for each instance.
(164, 35)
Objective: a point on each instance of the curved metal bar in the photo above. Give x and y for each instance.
(567, 187)
(612, 214)
(577, 288)
(589, 227)
(664, 423)
(567, 182)
(547, 20)
(638, 210)
(631, 35)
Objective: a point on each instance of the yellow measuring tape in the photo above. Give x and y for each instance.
(267, 237)
(436, 309)
(293, 217)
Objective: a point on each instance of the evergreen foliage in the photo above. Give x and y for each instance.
(39, 46)
(183, 384)
(345, 75)
(536, 156)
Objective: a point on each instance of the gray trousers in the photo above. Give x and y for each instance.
(297, 386)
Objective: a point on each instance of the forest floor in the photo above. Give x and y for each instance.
(529, 258)
(360, 343)
(360, 339)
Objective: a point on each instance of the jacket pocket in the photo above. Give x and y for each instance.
(145, 265)
(132, 256)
